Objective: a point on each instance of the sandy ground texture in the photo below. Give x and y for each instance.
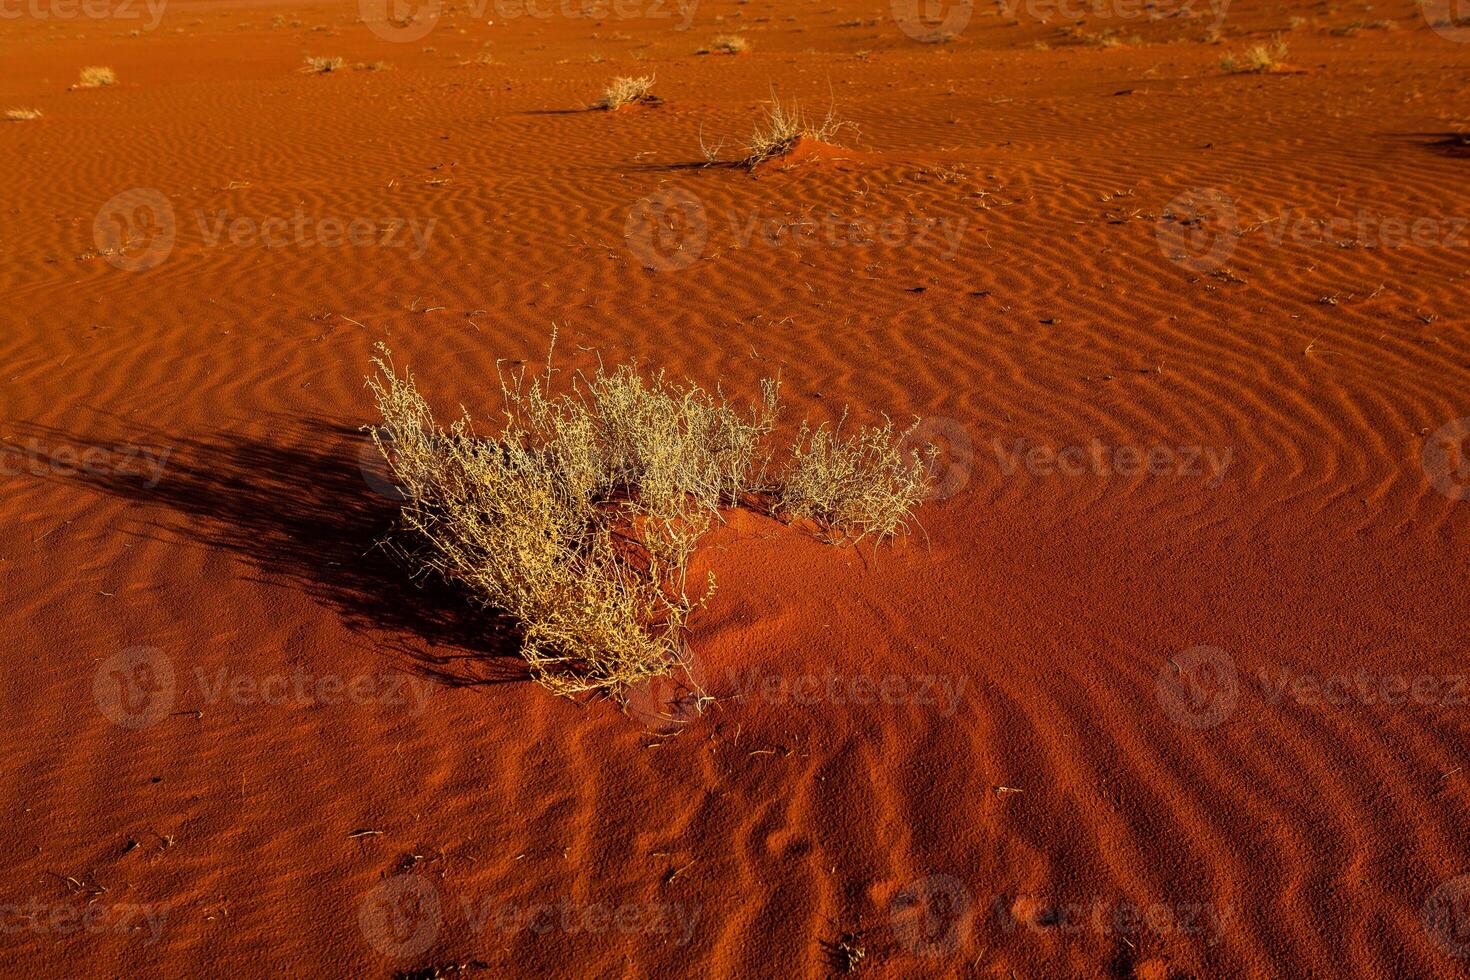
(1172, 682)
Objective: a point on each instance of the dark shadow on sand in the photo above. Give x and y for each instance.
(309, 509)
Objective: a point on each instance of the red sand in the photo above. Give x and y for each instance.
(978, 751)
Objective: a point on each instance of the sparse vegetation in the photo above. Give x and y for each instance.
(95, 76)
(578, 519)
(726, 44)
(783, 127)
(322, 66)
(1257, 59)
(863, 483)
(21, 115)
(628, 91)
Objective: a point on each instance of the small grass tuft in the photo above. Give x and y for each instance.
(783, 127)
(860, 484)
(21, 115)
(95, 76)
(1257, 59)
(628, 91)
(322, 66)
(726, 44)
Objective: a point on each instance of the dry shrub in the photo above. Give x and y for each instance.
(783, 127)
(322, 66)
(1257, 59)
(95, 76)
(861, 484)
(627, 91)
(579, 517)
(726, 44)
(21, 115)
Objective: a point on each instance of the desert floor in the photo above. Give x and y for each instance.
(1171, 682)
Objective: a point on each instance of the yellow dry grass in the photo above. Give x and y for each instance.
(578, 518)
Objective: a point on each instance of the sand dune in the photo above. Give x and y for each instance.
(1170, 684)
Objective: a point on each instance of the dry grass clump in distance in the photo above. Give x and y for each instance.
(726, 44)
(95, 76)
(783, 127)
(1257, 59)
(578, 519)
(21, 115)
(321, 66)
(628, 91)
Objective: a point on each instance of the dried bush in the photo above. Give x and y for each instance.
(627, 91)
(579, 517)
(783, 127)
